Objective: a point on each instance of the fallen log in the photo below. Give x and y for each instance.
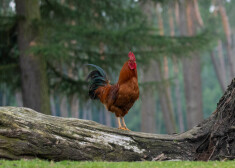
(25, 133)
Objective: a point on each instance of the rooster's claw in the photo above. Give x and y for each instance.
(124, 128)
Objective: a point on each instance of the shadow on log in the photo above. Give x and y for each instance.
(25, 133)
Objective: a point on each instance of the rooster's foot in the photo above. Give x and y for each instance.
(124, 128)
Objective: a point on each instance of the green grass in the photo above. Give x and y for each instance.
(70, 164)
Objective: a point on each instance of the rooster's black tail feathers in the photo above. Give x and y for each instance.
(96, 79)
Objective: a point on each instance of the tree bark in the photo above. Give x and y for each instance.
(33, 68)
(24, 133)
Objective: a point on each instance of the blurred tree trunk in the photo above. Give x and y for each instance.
(179, 111)
(165, 98)
(165, 62)
(74, 104)
(217, 71)
(4, 6)
(89, 113)
(101, 115)
(18, 96)
(84, 111)
(53, 106)
(219, 66)
(4, 99)
(87, 110)
(63, 107)
(191, 67)
(177, 13)
(227, 30)
(148, 107)
(165, 103)
(33, 67)
(197, 13)
(108, 120)
(222, 65)
(73, 99)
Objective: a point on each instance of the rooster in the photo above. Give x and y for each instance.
(120, 97)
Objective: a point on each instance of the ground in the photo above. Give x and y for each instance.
(70, 164)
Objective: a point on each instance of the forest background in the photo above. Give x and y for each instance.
(184, 51)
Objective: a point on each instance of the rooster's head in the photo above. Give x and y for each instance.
(132, 61)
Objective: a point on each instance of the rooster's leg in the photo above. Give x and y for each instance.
(124, 124)
(119, 123)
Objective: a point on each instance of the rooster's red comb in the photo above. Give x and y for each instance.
(131, 56)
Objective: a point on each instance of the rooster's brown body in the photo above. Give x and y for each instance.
(120, 97)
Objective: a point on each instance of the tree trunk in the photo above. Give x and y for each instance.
(84, 111)
(193, 91)
(74, 104)
(165, 99)
(53, 106)
(197, 13)
(18, 97)
(165, 65)
(89, 114)
(191, 70)
(4, 99)
(148, 105)
(33, 68)
(108, 120)
(87, 110)
(179, 110)
(227, 30)
(177, 13)
(222, 64)
(101, 116)
(219, 66)
(165, 104)
(25, 133)
(63, 107)
(218, 70)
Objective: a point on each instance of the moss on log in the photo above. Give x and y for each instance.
(25, 133)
